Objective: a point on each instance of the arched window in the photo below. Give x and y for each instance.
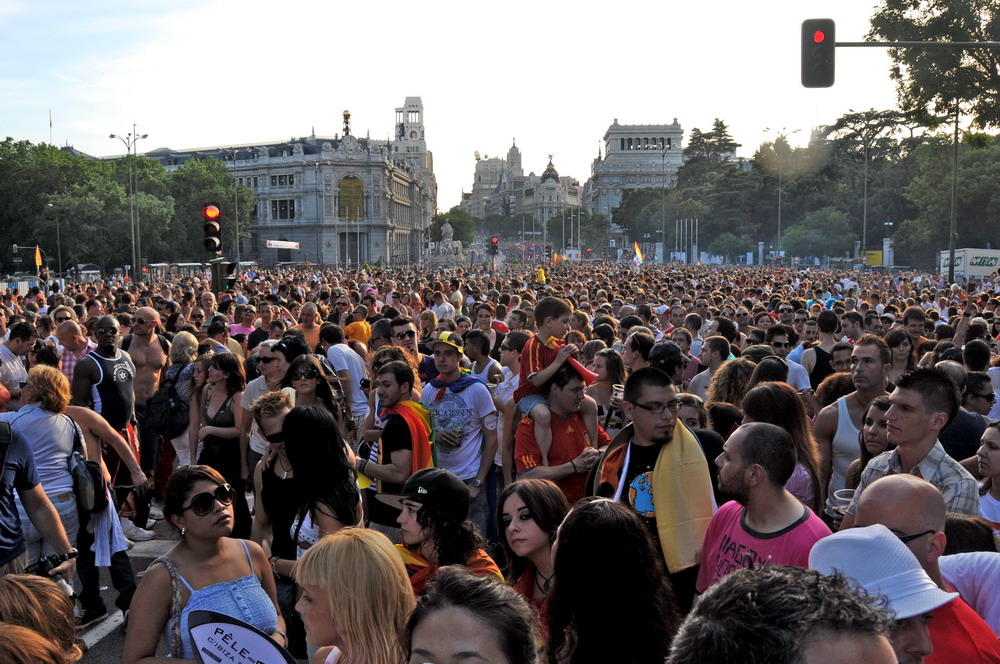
(352, 198)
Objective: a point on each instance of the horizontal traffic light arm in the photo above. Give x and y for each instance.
(917, 44)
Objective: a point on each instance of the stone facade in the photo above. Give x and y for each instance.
(342, 198)
(635, 156)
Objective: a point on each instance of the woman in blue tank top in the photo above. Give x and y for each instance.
(205, 570)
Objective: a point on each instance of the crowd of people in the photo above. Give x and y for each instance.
(583, 463)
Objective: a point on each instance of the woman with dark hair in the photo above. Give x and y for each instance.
(314, 387)
(871, 439)
(770, 369)
(723, 418)
(628, 613)
(589, 351)
(610, 370)
(465, 617)
(988, 462)
(692, 411)
(779, 404)
(219, 430)
(901, 350)
(435, 528)
(528, 519)
(325, 476)
(485, 314)
(206, 569)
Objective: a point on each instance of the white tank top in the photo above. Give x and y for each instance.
(846, 448)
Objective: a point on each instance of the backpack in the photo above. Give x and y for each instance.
(89, 485)
(166, 412)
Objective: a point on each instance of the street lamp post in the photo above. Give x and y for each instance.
(130, 140)
(58, 245)
(782, 134)
(866, 144)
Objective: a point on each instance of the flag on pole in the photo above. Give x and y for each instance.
(38, 256)
(638, 255)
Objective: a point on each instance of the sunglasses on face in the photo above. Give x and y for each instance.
(62, 319)
(197, 316)
(307, 374)
(204, 503)
(142, 321)
(408, 334)
(266, 360)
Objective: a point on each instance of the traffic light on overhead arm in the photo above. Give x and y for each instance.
(818, 52)
(211, 214)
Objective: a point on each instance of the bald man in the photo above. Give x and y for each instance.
(914, 510)
(74, 345)
(309, 324)
(150, 354)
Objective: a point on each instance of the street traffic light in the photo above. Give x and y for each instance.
(211, 214)
(818, 52)
(494, 247)
(229, 276)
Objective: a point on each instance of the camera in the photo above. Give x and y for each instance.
(46, 565)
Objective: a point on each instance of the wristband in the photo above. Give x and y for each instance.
(362, 464)
(573, 463)
(63, 557)
(283, 635)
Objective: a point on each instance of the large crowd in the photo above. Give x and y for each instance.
(589, 462)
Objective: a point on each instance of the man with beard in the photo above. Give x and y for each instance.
(765, 523)
(660, 471)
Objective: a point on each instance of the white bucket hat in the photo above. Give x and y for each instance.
(882, 565)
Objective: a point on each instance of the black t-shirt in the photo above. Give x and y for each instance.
(637, 491)
(395, 436)
(256, 337)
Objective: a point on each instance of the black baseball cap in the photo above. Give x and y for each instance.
(435, 487)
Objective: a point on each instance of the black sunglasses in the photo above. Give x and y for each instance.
(408, 334)
(63, 319)
(307, 374)
(204, 503)
(266, 360)
(909, 538)
(276, 437)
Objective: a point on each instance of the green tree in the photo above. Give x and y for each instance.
(195, 183)
(463, 225)
(825, 232)
(730, 245)
(929, 80)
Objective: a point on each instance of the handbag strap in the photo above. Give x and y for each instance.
(174, 642)
(77, 441)
(6, 438)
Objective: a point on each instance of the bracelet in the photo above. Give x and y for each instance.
(274, 570)
(362, 464)
(283, 635)
(573, 463)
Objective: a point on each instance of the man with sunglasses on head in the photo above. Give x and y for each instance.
(272, 367)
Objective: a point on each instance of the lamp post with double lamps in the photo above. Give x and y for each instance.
(782, 134)
(130, 140)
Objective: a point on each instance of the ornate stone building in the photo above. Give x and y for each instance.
(342, 198)
(635, 156)
(501, 188)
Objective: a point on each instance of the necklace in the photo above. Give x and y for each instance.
(285, 470)
(544, 587)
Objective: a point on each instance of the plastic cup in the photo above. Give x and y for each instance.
(618, 391)
(842, 499)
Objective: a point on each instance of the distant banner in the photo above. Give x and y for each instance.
(281, 244)
(220, 638)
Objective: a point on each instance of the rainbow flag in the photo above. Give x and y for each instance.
(638, 255)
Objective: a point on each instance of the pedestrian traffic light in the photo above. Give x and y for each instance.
(819, 48)
(229, 276)
(211, 214)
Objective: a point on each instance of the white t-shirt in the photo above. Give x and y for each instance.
(976, 576)
(343, 358)
(470, 410)
(505, 392)
(444, 310)
(989, 509)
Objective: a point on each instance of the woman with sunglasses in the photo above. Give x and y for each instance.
(207, 569)
(219, 429)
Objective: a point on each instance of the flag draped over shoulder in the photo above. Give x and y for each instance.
(418, 419)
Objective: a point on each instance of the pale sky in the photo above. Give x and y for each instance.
(552, 75)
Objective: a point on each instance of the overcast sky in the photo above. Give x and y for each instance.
(552, 75)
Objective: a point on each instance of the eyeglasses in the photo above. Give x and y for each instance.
(785, 310)
(741, 314)
(343, 304)
(276, 437)
(307, 374)
(204, 503)
(657, 409)
(266, 360)
(800, 320)
(991, 397)
(197, 316)
(141, 321)
(249, 311)
(408, 334)
(905, 539)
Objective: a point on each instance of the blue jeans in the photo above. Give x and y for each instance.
(65, 504)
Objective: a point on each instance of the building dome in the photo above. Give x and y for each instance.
(550, 172)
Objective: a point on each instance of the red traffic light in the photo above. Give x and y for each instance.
(211, 212)
(495, 240)
(819, 37)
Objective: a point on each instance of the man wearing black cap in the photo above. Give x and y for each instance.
(435, 528)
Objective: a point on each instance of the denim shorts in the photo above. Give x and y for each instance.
(530, 401)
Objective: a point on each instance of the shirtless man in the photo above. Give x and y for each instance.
(150, 354)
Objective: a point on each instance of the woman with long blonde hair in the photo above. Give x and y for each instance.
(355, 599)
